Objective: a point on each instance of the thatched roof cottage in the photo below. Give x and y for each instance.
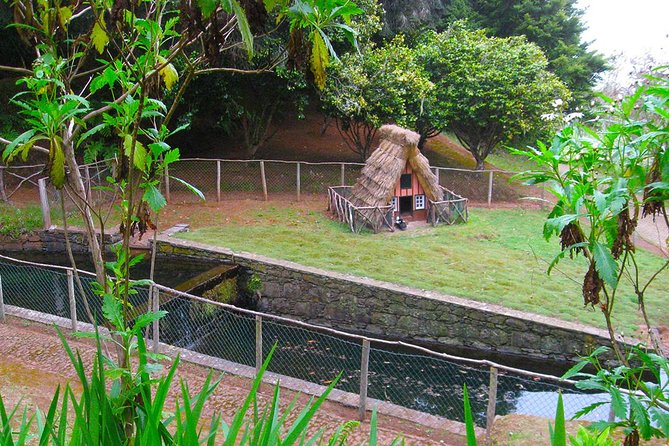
(396, 180)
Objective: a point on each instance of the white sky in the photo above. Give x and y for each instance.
(631, 27)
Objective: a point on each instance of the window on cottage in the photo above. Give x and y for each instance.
(420, 202)
(394, 203)
(405, 181)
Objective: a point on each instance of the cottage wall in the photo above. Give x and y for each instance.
(416, 189)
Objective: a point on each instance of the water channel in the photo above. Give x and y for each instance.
(406, 378)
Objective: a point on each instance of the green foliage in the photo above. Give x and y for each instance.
(605, 177)
(469, 419)
(487, 89)
(585, 437)
(15, 221)
(640, 407)
(382, 85)
(556, 26)
(558, 435)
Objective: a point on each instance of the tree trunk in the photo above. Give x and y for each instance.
(480, 164)
(421, 141)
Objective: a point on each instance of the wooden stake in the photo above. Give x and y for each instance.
(364, 377)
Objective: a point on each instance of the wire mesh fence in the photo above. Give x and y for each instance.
(406, 376)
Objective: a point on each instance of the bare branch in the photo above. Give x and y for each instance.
(19, 70)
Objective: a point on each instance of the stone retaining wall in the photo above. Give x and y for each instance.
(380, 309)
(51, 241)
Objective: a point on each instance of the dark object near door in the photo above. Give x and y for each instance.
(406, 205)
(401, 224)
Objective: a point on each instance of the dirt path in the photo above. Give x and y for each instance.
(34, 363)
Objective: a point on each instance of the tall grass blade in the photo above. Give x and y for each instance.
(469, 419)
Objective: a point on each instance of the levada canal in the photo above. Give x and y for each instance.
(396, 374)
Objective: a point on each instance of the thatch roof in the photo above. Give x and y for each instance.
(378, 178)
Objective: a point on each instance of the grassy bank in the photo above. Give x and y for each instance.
(498, 257)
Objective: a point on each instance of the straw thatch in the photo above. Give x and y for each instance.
(378, 178)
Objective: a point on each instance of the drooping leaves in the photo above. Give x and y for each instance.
(99, 37)
(319, 59)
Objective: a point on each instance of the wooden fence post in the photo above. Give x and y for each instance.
(259, 358)
(166, 173)
(87, 174)
(218, 180)
(364, 376)
(298, 182)
(492, 403)
(437, 174)
(44, 201)
(73, 302)
(343, 174)
(3, 193)
(491, 173)
(264, 180)
(155, 304)
(2, 303)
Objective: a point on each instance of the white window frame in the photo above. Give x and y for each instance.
(396, 203)
(419, 202)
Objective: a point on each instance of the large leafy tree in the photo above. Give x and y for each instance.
(557, 27)
(488, 89)
(382, 85)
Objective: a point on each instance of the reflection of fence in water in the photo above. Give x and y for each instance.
(401, 374)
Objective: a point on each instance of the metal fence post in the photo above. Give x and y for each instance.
(73, 302)
(264, 180)
(44, 201)
(491, 173)
(343, 174)
(492, 403)
(218, 180)
(298, 181)
(259, 358)
(166, 174)
(155, 307)
(2, 303)
(364, 376)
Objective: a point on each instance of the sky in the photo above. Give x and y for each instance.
(631, 27)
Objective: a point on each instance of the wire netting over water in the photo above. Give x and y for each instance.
(403, 375)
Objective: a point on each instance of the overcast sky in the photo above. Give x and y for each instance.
(633, 27)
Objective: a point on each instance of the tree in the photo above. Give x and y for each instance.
(111, 67)
(364, 91)
(557, 27)
(605, 177)
(488, 89)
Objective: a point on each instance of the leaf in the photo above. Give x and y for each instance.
(57, 164)
(139, 155)
(168, 73)
(207, 7)
(154, 198)
(64, 16)
(244, 28)
(146, 319)
(190, 187)
(469, 420)
(111, 310)
(618, 403)
(319, 59)
(99, 37)
(559, 434)
(606, 266)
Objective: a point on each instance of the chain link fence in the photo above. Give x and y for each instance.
(404, 375)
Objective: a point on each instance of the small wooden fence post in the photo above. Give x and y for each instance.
(155, 307)
(166, 173)
(264, 180)
(2, 303)
(343, 174)
(73, 302)
(491, 173)
(3, 193)
(298, 181)
(364, 377)
(218, 180)
(437, 174)
(259, 358)
(44, 201)
(492, 403)
(88, 183)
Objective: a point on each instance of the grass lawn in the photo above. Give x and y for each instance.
(15, 221)
(499, 257)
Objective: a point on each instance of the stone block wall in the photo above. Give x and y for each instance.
(51, 241)
(385, 310)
